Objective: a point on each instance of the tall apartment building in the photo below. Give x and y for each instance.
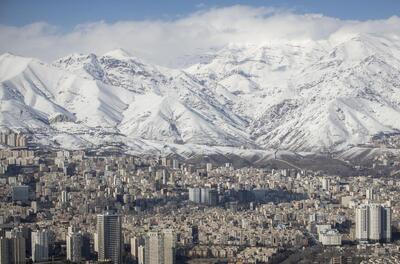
(12, 248)
(141, 255)
(12, 139)
(370, 194)
(195, 234)
(134, 247)
(169, 246)
(136, 242)
(194, 195)
(20, 140)
(373, 222)
(17, 246)
(160, 247)
(209, 167)
(203, 195)
(153, 248)
(325, 183)
(40, 245)
(4, 250)
(74, 241)
(362, 223)
(109, 237)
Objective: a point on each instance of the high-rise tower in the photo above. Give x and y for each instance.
(109, 237)
(373, 222)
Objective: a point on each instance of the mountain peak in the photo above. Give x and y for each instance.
(118, 53)
(322, 96)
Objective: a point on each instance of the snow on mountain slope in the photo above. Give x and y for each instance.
(123, 95)
(348, 95)
(309, 96)
(58, 95)
(25, 101)
(250, 78)
(115, 68)
(312, 96)
(166, 104)
(166, 118)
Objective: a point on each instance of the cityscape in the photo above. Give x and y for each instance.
(200, 132)
(77, 206)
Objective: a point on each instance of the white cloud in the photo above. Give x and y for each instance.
(162, 41)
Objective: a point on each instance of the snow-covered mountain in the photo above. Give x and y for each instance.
(308, 96)
(114, 93)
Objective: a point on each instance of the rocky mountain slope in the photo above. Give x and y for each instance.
(314, 96)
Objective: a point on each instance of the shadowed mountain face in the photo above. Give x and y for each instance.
(311, 97)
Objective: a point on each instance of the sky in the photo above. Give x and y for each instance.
(67, 14)
(162, 31)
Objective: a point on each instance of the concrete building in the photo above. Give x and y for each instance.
(209, 167)
(330, 237)
(17, 246)
(64, 197)
(370, 194)
(195, 195)
(195, 235)
(74, 242)
(141, 255)
(109, 238)
(205, 195)
(362, 223)
(4, 250)
(212, 198)
(40, 245)
(134, 247)
(373, 222)
(169, 246)
(322, 228)
(325, 183)
(11, 140)
(153, 248)
(20, 193)
(160, 247)
(136, 242)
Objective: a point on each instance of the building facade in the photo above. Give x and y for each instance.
(373, 223)
(160, 247)
(109, 238)
(74, 242)
(40, 245)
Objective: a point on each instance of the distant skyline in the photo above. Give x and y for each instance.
(163, 32)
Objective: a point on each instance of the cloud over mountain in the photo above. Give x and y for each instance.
(165, 41)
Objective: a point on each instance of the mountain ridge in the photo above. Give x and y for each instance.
(299, 97)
